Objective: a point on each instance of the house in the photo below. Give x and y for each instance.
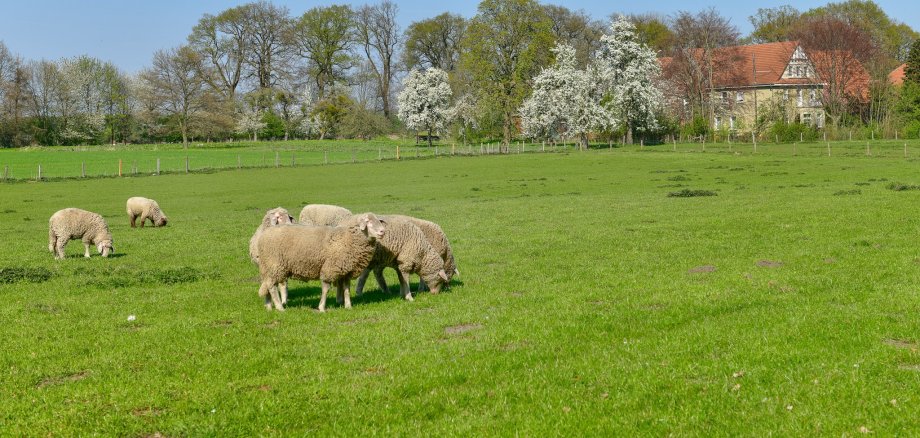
(896, 77)
(762, 83)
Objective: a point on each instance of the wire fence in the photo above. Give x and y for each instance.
(100, 164)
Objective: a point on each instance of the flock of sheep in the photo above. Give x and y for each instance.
(327, 243)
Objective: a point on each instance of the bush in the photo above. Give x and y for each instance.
(792, 132)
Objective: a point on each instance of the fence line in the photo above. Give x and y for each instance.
(879, 148)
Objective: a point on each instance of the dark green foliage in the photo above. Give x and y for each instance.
(848, 192)
(791, 132)
(24, 274)
(688, 193)
(899, 187)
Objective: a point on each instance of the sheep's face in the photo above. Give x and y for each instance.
(372, 226)
(436, 282)
(105, 248)
(280, 216)
(162, 222)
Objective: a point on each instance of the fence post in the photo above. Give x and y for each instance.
(292, 160)
(543, 146)
(873, 135)
(416, 152)
(905, 150)
(397, 152)
(83, 169)
(239, 162)
(436, 151)
(39, 172)
(675, 143)
(851, 135)
(158, 166)
(825, 135)
(754, 140)
(277, 159)
(801, 137)
(119, 167)
(186, 164)
(453, 149)
(828, 148)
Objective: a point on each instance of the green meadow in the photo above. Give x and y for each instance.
(656, 290)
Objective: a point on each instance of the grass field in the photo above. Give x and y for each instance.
(590, 301)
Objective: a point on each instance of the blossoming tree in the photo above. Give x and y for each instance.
(424, 102)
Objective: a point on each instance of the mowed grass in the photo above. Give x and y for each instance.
(590, 303)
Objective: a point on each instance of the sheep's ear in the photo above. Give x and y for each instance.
(443, 275)
(362, 224)
(291, 218)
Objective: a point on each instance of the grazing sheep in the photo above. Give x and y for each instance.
(323, 215)
(334, 255)
(273, 217)
(145, 209)
(74, 223)
(405, 248)
(438, 241)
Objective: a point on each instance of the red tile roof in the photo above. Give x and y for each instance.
(896, 76)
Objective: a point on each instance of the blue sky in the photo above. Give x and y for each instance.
(128, 32)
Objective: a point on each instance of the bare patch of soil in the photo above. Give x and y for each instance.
(902, 344)
(702, 269)
(462, 328)
(830, 260)
(769, 263)
(910, 367)
(58, 380)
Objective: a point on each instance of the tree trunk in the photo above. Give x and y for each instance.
(629, 133)
(184, 130)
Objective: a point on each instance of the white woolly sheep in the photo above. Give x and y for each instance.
(144, 208)
(334, 255)
(273, 217)
(405, 248)
(323, 215)
(74, 223)
(438, 240)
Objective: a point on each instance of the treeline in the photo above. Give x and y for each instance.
(259, 71)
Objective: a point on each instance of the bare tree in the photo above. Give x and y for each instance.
(434, 42)
(838, 50)
(267, 24)
(174, 87)
(378, 32)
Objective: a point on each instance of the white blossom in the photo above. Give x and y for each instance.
(628, 70)
(424, 102)
(564, 101)
(250, 122)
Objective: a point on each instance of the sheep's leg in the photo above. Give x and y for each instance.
(404, 285)
(346, 285)
(264, 292)
(381, 282)
(275, 298)
(143, 220)
(322, 299)
(52, 241)
(283, 287)
(421, 284)
(133, 217)
(85, 250)
(339, 293)
(59, 247)
(359, 288)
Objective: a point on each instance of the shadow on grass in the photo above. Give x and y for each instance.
(309, 295)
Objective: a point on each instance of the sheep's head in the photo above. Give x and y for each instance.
(162, 221)
(279, 216)
(433, 272)
(371, 225)
(105, 247)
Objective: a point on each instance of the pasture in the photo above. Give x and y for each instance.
(590, 302)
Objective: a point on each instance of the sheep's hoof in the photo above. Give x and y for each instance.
(409, 298)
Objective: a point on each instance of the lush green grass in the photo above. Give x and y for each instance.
(590, 302)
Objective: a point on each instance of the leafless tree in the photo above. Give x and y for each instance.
(222, 41)
(379, 34)
(577, 29)
(174, 88)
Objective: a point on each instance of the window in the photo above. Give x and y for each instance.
(718, 122)
(820, 120)
(800, 97)
(814, 97)
(785, 96)
(739, 96)
(731, 122)
(725, 97)
(806, 118)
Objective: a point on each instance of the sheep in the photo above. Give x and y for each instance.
(273, 217)
(322, 214)
(437, 239)
(334, 255)
(145, 209)
(405, 248)
(74, 223)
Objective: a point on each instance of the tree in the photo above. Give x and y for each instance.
(174, 87)
(434, 42)
(466, 114)
(575, 29)
(838, 51)
(564, 101)
(324, 37)
(250, 122)
(379, 35)
(774, 24)
(892, 38)
(628, 69)
(912, 70)
(223, 42)
(424, 102)
(505, 44)
(652, 30)
(266, 25)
